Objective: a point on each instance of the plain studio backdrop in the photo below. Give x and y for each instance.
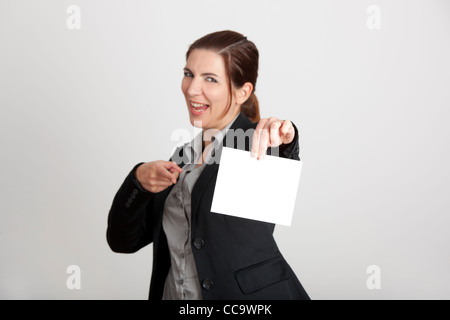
(366, 82)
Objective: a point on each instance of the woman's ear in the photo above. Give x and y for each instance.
(243, 93)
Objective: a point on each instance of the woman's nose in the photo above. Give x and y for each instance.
(194, 88)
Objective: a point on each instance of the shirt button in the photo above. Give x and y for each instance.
(207, 284)
(182, 256)
(199, 243)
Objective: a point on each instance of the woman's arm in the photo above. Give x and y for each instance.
(291, 150)
(130, 226)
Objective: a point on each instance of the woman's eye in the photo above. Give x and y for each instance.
(209, 79)
(188, 74)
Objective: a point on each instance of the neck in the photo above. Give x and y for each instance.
(208, 133)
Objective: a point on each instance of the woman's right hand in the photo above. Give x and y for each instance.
(157, 176)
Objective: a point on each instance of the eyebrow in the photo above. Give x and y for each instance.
(203, 74)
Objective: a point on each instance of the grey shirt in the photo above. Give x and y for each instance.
(182, 282)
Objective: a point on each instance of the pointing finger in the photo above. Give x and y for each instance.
(172, 165)
(263, 143)
(165, 174)
(256, 138)
(275, 134)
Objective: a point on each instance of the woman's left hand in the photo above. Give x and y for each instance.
(271, 132)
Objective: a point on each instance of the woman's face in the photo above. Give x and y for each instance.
(205, 88)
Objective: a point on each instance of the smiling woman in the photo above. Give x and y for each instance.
(231, 61)
(206, 93)
(199, 254)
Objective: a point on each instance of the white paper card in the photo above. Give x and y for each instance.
(263, 190)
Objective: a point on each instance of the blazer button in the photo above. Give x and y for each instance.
(207, 284)
(198, 243)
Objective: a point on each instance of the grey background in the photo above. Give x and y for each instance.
(79, 108)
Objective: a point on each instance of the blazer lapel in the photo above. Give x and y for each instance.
(241, 122)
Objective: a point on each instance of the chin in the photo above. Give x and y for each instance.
(197, 123)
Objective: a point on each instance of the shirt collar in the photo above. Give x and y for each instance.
(196, 145)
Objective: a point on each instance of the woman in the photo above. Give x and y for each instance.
(199, 254)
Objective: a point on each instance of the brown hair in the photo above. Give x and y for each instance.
(241, 64)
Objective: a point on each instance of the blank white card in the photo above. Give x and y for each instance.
(263, 190)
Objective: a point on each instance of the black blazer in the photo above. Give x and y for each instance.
(236, 258)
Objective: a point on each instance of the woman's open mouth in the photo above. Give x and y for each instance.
(198, 108)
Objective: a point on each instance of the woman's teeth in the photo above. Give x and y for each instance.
(199, 107)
